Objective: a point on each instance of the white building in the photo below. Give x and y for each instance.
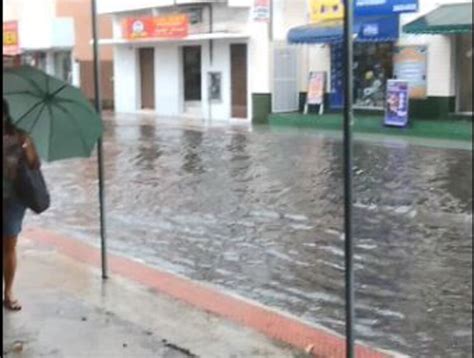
(172, 76)
(45, 41)
(231, 66)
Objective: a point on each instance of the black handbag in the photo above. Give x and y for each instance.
(31, 188)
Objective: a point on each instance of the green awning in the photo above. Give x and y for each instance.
(446, 19)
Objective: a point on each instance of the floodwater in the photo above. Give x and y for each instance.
(260, 213)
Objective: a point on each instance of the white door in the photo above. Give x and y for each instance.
(285, 80)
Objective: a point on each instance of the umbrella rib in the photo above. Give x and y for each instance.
(28, 112)
(58, 90)
(62, 99)
(50, 140)
(33, 83)
(47, 84)
(65, 110)
(21, 92)
(37, 118)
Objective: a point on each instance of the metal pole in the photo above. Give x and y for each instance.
(348, 115)
(98, 107)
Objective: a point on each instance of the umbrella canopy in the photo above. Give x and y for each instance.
(58, 116)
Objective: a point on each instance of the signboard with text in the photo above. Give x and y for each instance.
(316, 91)
(410, 64)
(261, 10)
(163, 27)
(11, 43)
(396, 107)
(330, 10)
(326, 10)
(336, 98)
(316, 87)
(384, 7)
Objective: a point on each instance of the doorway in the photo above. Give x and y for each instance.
(238, 55)
(192, 78)
(147, 77)
(464, 73)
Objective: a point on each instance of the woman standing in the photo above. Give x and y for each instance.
(17, 145)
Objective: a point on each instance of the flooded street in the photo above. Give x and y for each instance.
(260, 213)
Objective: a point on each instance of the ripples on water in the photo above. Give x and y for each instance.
(261, 214)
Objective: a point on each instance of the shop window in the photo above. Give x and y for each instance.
(63, 66)
(373, 65)
(195, 15)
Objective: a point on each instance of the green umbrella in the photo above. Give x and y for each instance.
(58, 116)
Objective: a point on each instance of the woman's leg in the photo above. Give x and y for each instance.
(9, 270)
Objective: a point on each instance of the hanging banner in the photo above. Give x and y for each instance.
(11, 43)
(261, 11)
(165, 27)
(396, 108)
(410, 63)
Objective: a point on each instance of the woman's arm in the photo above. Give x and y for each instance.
(31, 154)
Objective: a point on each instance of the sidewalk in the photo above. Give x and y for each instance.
(69, 311)
(450, 129)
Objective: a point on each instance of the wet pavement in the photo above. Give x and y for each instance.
(69, 312)
(260, 213)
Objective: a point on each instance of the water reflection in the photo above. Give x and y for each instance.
(192, 162)
(148, 149)
(261, 214)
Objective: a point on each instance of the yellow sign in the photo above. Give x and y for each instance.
(326, 10)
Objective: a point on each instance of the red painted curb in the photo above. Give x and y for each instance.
(263, 320)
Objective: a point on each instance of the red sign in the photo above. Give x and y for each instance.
(164, 27)
(11, 43)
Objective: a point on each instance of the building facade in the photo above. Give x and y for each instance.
(54, 35)
(186, 58)
(438, 65)
(225, 59)
(43, 40)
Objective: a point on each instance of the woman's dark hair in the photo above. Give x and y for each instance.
(10, 128)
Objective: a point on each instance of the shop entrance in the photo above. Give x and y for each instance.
(373, 65)
(238, 55)
(464, 73)
(192, 79)
(147, 77)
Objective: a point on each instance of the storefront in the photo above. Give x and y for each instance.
(372, 67)
(454, 23)
(376, 31)
(55, 58)
(175, 63)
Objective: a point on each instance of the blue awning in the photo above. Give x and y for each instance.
(366, 29)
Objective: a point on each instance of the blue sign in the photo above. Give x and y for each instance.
(377, 28)
(336, 97)
(396, 107)
(384, 7)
